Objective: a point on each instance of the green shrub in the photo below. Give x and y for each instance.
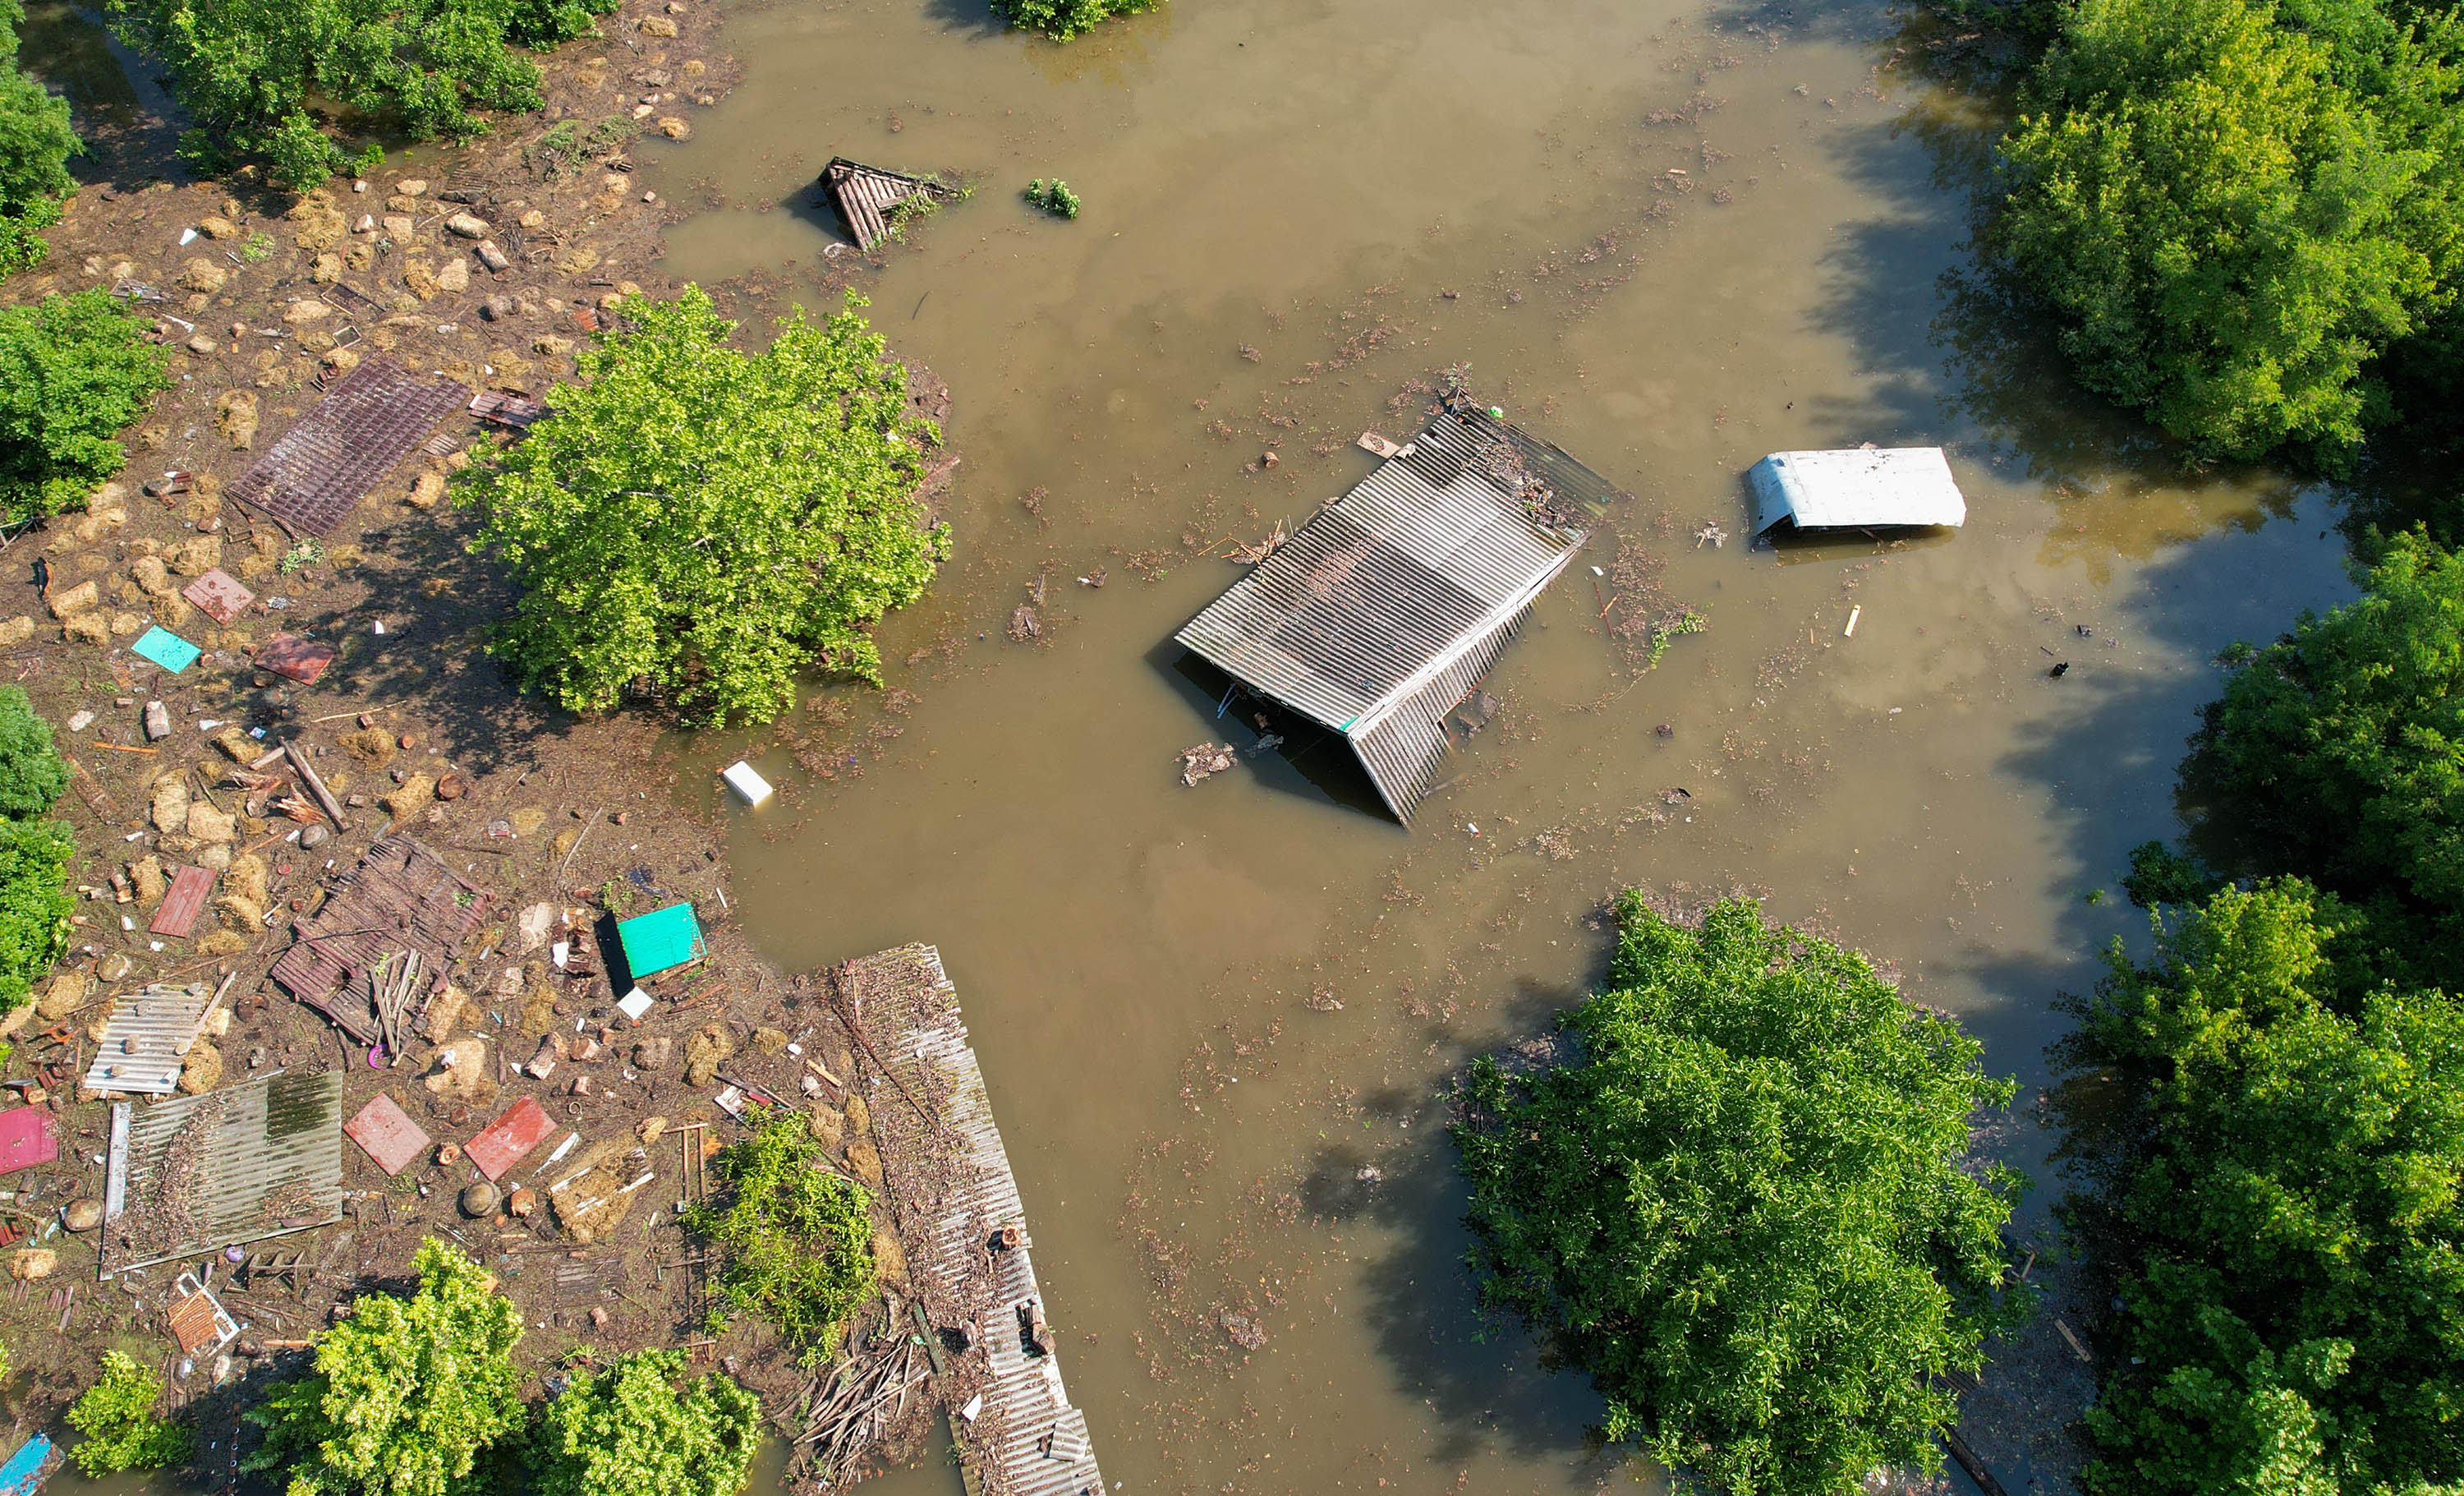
(1054, 197)
(75, 371)
(625, 1431)
(2281, 1201)
(31, 775)
(249, 70)
(700, 525)
(2235, 209)
(36, 142)
(1741, 1204)
(35, 904)
(799, 1235)
(1063, 19)
(122, 1430)
(407, 1393)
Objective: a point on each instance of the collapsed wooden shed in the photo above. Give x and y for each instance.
(868, 196)
(1379, 615)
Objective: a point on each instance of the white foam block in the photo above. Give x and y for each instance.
(634, 1003)
(747, 782)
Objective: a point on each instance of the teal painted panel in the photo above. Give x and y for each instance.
(661, 939)
(168, 649)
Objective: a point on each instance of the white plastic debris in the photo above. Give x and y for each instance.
(747, 782)
(559, 952)
(633, 1004)
(975, 1406)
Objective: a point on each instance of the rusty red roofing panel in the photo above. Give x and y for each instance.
(182, 905)
(387, 1133)
(26, 1138)
(523, 1128)
(218, 595)
(317, 473)
(199, 1321)
(303, 660)
(399, 895)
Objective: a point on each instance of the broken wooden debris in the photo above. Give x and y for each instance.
(186, 900)
(866, 196)
(500, 409)
(1205, 760)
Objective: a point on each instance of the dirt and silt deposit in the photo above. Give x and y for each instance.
(1217, 1021)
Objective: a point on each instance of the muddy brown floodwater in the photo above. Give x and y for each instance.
(1669, 237)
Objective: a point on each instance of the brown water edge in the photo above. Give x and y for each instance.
(1138, 960)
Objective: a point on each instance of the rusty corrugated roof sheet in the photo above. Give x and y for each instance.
(192, 1175)
(316, 473)
(401, 896)
(146, 1042)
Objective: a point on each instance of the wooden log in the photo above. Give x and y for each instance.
(1967, 1461)
(316, 786)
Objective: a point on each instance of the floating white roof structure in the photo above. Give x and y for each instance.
(1380, 614)
(1871, 488)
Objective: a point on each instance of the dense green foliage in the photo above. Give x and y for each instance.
(626, 1431)
(35, 904)
(2337, 752)
(1741, 1204)
(2240, 209)
(31, 775)
(405, 1394)
(250, 70)
(701, 524)
(75, 371)
(122, 1430)
(2285, 1186)
(1054, 197)
(35, 144)
(799, 1235)
(1063, 19)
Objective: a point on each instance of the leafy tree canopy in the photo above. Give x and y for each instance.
(406, 1391)
(248, 70)
(1063, 19)
(702, 524)
(1741, 1204)
(122, 1430)
(35, 904)
(2284, 1192)
(2339, 750)
(31, 775)
(75, 371)
(2238, 207)
(626, 1431)
(799, 1235)
(36, 142)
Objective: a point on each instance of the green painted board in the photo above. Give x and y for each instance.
(168, 649)
(660, 939)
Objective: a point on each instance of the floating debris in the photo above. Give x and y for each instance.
(1205, 760)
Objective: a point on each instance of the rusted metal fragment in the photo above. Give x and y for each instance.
(401, 896)
(322, 468)
(303, 660)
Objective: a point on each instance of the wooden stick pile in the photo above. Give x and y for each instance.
(394, 983)
(858, 1403)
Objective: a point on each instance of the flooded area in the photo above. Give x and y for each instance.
(1218, 1021)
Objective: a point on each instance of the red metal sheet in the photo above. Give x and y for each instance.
(182, 905)
(218, 595)
(303, 660)
(509, 1138)
(26, 1139)
(387, 1133)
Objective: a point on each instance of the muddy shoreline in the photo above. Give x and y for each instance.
(264, 302)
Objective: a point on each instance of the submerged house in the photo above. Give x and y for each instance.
(1379, 615)
(1855, 488)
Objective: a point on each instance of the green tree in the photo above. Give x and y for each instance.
(701, 524)
(250, 70)
(1063, 19)
(122, 1430)
(35, 904)
(75, 371)
(36, 142)
(2283, 1198)
(626, 1431)
(31, 775)
(798, 1235)
(2337, 752)
(407, 1393)
(2237, 208)
(1742, 1203)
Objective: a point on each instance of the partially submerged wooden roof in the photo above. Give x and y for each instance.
(1379, 615)
(863, 196)
(1026, 1439)
(196, 1173)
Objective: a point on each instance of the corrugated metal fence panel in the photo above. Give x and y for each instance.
(1024, 1400)
(147, 1040)
(1371, 610)
(232, 1166)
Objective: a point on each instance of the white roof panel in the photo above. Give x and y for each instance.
(1878, 486)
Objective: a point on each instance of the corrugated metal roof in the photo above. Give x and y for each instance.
(1378, 614)
(401, 896)
(1855, 488)
(147, 1040)
(196, 1173)
(1024, 1398)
